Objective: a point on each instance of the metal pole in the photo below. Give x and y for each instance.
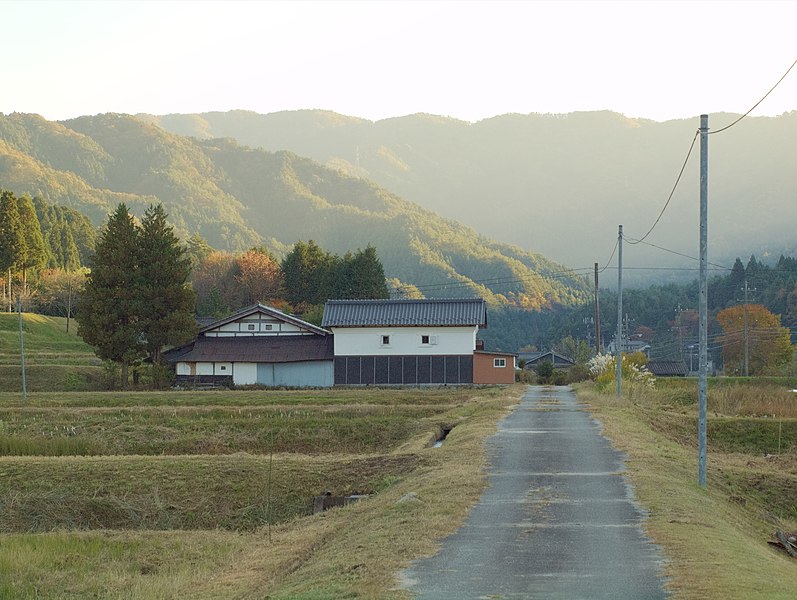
(746, 335)
(619, 338)
(22, 351)
(703, 376)
(597, 315)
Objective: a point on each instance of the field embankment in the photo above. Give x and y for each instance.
(715, 539)
(55, 360)
(209, 494)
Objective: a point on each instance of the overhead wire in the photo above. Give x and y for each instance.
(757, 103)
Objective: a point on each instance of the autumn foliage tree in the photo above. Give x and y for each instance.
(769, 344)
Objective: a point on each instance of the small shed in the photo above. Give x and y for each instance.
(493, 367)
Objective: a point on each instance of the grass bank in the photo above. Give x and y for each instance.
(714, 538)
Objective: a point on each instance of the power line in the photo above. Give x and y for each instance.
(757, 103)
(678, 253)
(616, 242)
(672, 193)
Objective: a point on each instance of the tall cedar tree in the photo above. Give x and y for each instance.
(109, 309)
(12, 238)
(309, 274)
(361, 276)
(35, 250)
(166, 302)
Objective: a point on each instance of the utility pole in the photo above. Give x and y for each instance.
(597, 315)
(22, 351)
(746, 333)
(619, 338)
(703, 375)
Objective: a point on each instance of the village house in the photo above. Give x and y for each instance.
(257, 345)
(413, 342)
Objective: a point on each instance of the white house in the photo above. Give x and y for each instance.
(256, 345)
(405, 342)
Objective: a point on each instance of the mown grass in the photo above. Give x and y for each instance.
(205, 492)
(211, 430)
(54, 359)
(343, 553)
(714, 538)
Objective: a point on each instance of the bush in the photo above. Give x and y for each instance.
(525, 376)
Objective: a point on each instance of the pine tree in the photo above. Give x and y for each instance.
(309, 274)
(12, 239)
(166, 303)
(109, 309)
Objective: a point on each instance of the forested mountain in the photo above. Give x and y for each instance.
(566, 180)
(237, 197)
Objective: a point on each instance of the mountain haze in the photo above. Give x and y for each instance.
(566, 180)
(237, 197)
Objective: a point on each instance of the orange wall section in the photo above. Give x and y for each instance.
(484, 370)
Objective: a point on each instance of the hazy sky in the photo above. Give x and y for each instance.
(377, 59)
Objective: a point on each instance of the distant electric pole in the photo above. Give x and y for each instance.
(597, 315)
(619, 338)
(703, 300)
(22, 350)
(746, 332)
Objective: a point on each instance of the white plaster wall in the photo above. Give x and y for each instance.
(367, 341)
(237, 328)
(204, 368)
(245, 373)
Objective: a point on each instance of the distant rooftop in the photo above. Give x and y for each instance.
(458, 312)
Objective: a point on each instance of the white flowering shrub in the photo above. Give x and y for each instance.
(603, 369)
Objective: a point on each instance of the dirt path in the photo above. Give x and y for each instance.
(557, 521)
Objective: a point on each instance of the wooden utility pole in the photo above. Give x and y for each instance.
(597, 315)
(746, 333)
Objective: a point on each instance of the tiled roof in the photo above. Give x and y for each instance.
(255, 349)
(406, 313)
(667, 368)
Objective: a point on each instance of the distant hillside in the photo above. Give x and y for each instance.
(237, 197)
(567, 180)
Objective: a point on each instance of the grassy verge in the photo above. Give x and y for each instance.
(715, 538)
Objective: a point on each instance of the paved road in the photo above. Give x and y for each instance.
(557, 521)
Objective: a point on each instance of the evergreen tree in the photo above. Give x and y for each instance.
(309, 274)
(12, 238)
(361, 276)
(166, 304)
(35, 251)
(109, 308)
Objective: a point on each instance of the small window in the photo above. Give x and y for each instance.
(223, 367)
(499, 362)
(251, 327)
(385, 340)
(425, 339)
(268, 327)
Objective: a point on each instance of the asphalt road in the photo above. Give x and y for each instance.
(557, 520)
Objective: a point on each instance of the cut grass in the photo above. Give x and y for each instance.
(714, 538)
(204, 492)
(212, 430)
(352, 552)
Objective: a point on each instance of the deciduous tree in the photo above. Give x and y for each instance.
(769, 343)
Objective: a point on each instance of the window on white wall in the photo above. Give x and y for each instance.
(425, 340)
(385, 340)
(499, 362)
(269, 327)
(251, 327)
(223, 367)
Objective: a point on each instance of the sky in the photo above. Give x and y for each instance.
(381, 59)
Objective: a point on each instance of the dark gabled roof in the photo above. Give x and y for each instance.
(550, 355)
(256, 349)
(266, 310)
(405, 313)
(668, 368)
